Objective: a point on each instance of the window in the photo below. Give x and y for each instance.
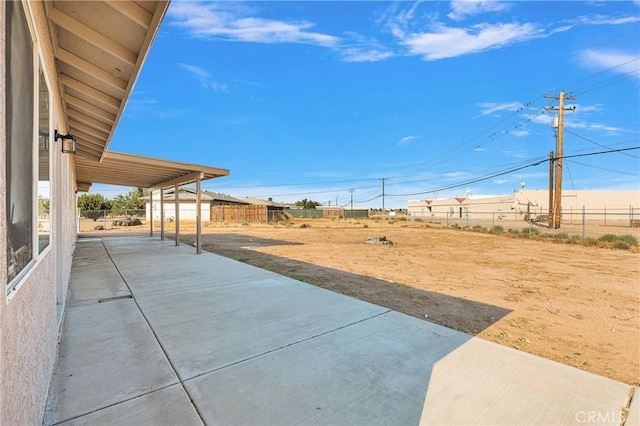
(27, 147)
(44, 149)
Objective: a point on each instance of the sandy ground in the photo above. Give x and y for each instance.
(572, 304)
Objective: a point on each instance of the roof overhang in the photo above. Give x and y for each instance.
(133, 170)
(97, 49)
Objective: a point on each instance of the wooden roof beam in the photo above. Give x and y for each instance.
(133, 12)
(182, 180)
(89, 109)
(109, 101)
(91, 36)
(90, 69)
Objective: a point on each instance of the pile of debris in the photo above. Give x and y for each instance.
(127, 222)
(378, 240)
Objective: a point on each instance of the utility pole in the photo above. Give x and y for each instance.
(383, 179)
(558, 192)
(550, 189)
(351, 192)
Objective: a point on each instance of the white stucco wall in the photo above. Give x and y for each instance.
(29, 320)
(187, 210)
(617, 206)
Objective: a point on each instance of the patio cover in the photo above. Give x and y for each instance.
(145, 172)
(98, 49)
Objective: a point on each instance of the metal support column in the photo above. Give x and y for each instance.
(151, 213)
(161, 214)
(177, 215)
(198, 218)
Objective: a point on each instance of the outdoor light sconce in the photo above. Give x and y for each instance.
(43, 141)
(69, 144)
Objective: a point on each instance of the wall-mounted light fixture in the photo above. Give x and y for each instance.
(43, 141)
(69, 144)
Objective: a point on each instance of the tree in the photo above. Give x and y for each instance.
(43, 206)
(307, 204)
(131, 201)
(92, 205)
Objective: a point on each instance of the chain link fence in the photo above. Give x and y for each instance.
(105, 219)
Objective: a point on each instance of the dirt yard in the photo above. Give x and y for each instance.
(576, 305)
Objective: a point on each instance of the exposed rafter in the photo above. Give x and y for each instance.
(91, 36)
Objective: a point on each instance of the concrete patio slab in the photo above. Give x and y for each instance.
(633, 416)
(374, 372)
(484, 383)
(107, 355)
(226, 343)
(169, 406)
(94, 274)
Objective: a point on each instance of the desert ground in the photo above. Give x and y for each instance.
(573, 304)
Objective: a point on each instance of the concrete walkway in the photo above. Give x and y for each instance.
(156, 334)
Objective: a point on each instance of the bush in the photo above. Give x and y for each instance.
(629, 239)
(561, 236)
(623, 245)
(514, 232)
(608, 238)
(497, 229)
(478, 228)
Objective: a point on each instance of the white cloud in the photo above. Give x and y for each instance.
(610, 59)
(479, 149)
(405, 140)
(520, 132)
(606, 20)
(232, 21)
(515, 154)
(447, 42)
(493, 107)
(460, 9)
(206, 79)
(454, 175)
(363, 49)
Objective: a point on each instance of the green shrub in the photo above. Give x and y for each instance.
(561, 236)
(623, 245)
(514, 232)
(629, 239)
(418, 220)
(478, 228)
(497, 229)
(608, 238)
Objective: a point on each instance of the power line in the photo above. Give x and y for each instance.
(515, 169)
(596, 143)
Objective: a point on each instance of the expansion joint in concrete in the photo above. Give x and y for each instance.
(155, 336)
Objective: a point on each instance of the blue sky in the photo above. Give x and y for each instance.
(311, 99)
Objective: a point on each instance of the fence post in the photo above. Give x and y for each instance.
(571, 215)
(605, 215)
(630, 216)
(583, 225)
(104, 218)
(493, 220)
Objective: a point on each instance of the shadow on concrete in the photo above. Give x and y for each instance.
(464, 315)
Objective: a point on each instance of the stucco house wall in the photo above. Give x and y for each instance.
(30, 313)
(187, 210)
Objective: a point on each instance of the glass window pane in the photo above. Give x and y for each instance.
(20, 139)
(44, 187)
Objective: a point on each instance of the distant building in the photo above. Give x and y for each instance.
(620, 205)
(187, 204)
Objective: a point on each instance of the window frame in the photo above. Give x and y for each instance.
(15, 283)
